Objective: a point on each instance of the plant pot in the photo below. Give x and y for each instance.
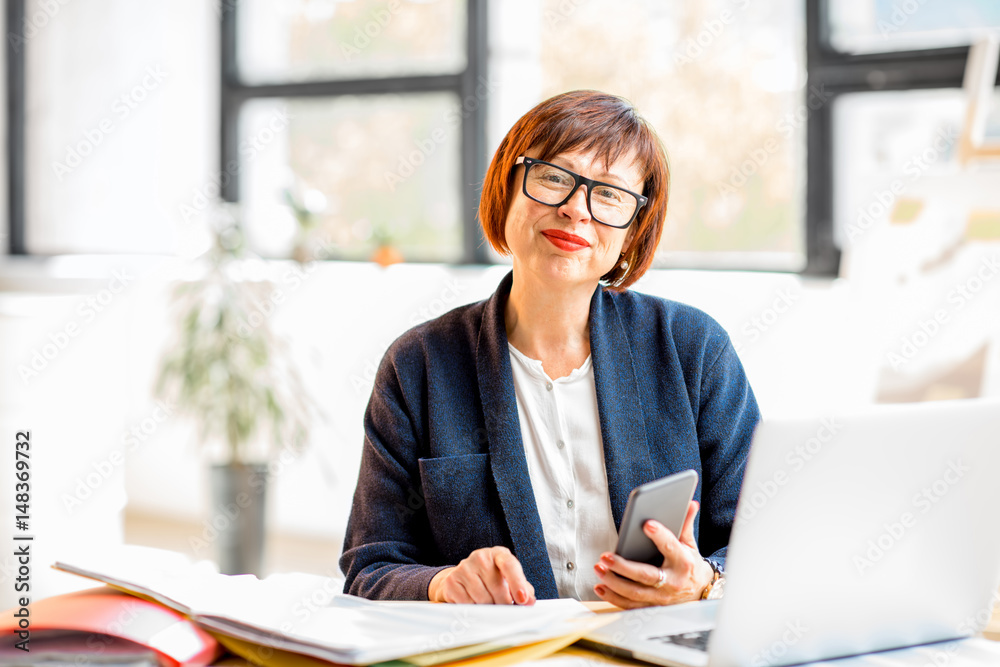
(387, 255)
(239, 500)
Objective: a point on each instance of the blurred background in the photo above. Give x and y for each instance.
(835, 204)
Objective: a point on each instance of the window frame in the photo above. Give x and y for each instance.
(472, 131)
(15, 71)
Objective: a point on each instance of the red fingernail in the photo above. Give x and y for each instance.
(608, 557)
(599, 590)
(650, 526)
(601, 569)
(522, 597)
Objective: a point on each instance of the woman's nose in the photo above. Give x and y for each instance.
(576, 205)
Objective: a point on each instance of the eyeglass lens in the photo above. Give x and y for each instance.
(608, 204)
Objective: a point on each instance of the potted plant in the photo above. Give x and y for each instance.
(228, 371)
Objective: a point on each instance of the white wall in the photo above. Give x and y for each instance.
(63, 379)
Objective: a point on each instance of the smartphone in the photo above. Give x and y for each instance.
(665, 500)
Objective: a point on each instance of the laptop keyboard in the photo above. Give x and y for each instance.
(694, 640)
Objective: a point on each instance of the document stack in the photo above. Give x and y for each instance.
(298, 618)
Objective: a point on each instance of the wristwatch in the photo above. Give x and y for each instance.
(714, 589)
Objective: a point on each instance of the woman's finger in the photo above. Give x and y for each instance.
(497, 586)
(609, 595)
(475, 587)
(642, 573)
(473, 572)
(454, 592)
(518, 586)
(626, 588)
(668, 545)
(687, 531)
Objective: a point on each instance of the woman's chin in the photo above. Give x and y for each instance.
(560, 270)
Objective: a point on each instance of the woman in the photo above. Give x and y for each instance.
(502, 439)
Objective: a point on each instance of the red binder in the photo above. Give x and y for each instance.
(105, 611)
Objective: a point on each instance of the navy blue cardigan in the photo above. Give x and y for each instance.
(443, 470)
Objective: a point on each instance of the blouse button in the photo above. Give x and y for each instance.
(560, 444)
(569, 504)
(571, 565)
(548, 386)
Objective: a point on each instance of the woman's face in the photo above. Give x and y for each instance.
(563, 244)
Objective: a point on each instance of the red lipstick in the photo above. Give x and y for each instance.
(565, 240)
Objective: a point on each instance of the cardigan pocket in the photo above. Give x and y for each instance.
(461, 509)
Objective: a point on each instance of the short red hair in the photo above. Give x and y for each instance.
(585, 120)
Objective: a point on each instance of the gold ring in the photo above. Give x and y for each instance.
(662, 580)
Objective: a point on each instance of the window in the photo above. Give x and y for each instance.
(327, 39)
(722, 82)
(350, 125)
(878, 26)
(892, 71)
(750, 98)
(111, 125)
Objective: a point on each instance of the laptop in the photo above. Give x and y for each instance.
(853, 533)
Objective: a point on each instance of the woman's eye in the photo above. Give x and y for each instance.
(556, 178)
(610, 195)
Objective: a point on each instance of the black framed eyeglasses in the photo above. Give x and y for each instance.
(552, 185)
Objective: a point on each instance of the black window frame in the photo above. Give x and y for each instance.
(834, 74)
(472, 168)
(13, 20)
(827, 70)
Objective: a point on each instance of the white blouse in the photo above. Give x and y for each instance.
(561, 431)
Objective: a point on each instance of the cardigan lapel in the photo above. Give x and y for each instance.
(510, 468)
(623, 428)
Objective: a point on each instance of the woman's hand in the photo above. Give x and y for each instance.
(683, 576)
(488, 576)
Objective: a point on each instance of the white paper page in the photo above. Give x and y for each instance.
(167, 574)
(373, 631)
(200, 588)
(276, 602)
